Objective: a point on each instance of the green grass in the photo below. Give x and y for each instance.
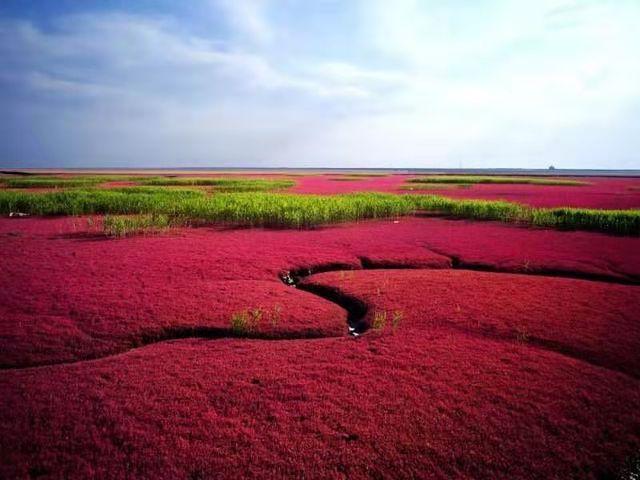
(253, 209)
(285, 210)
(473, 179)
(87, 181)
(626, 222)
(623, 222)
(475, 209)
(434, 186)
(281, 210)
(172, 192)
(380, 318)
(95, 201)
(50, 181)
(397, 316)
(127, 225)
(251, 320)
(222, 184)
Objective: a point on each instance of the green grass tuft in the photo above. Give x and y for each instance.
(379, 320)
(248, 321)
(126, 225)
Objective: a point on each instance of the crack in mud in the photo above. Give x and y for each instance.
(458, 264)
(355, 308)
(171, 334)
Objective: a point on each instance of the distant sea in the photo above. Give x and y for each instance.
(407, 171)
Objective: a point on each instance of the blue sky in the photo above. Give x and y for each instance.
(324, 83)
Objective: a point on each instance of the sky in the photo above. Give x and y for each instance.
(320, 83)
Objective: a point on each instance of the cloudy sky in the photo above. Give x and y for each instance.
(326, 83)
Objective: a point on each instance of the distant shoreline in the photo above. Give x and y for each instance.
(293, 170)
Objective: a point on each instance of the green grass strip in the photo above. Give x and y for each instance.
(221, 184)
(433, 186)
(172, 192)
(85, 181)
(304, 211)
(622, 222)
(127, 225)
(49, 181)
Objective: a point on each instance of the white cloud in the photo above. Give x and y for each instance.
(127, 51)
(485, 83)
(248, 17)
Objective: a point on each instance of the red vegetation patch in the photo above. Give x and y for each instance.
(484, 374)
(108, 295)
(383, 407)
(595, 322)
(603, 192)
(326, 184)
